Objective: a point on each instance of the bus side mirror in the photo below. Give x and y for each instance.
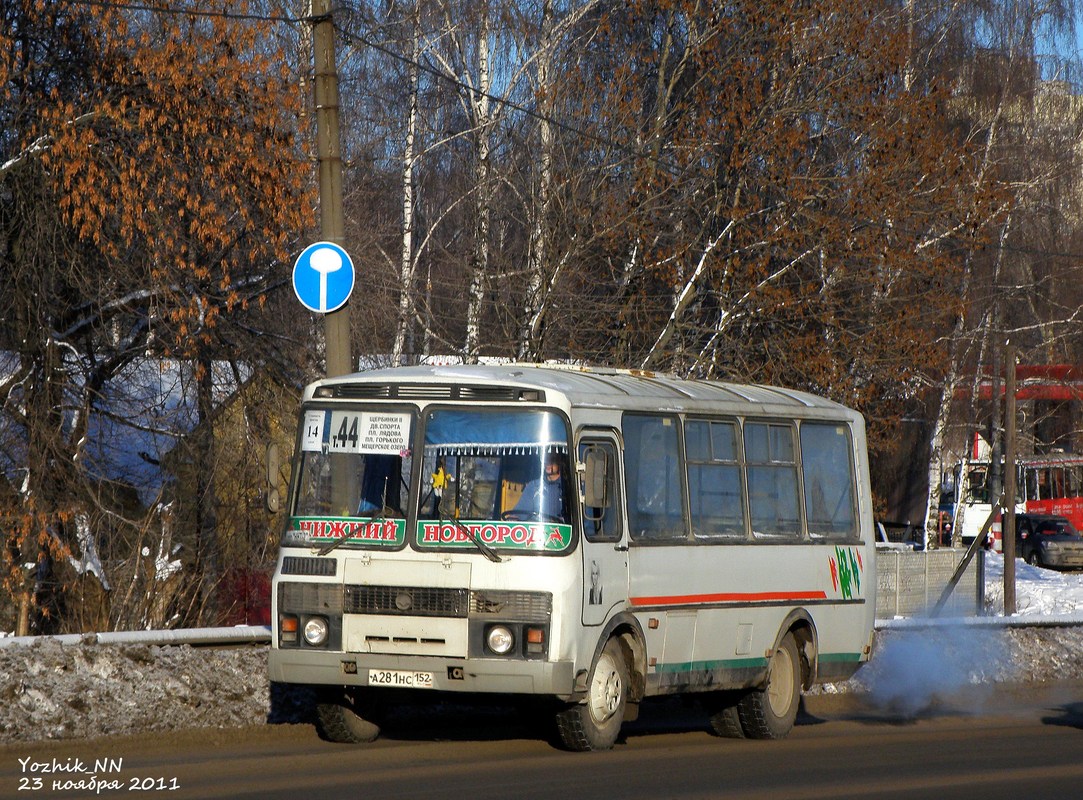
(595, 479)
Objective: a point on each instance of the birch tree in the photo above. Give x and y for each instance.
(785, 183)
(1025, 127)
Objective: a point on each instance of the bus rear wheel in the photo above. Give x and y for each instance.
(595, 723)
(770, 712)
(722, 712)
(343, 717)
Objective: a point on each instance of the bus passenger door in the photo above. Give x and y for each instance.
(604, 546)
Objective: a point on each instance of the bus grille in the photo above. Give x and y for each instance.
(419, 601)
(414, 601)
(380, 391)
(322, 598)
(302, 565)
(520, 606)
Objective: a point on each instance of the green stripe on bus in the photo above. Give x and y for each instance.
(745, 663)
(840, 657)
(700, 666)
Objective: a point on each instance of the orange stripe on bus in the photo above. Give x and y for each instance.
(727, 597)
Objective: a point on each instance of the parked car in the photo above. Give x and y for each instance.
(1048, 541)
(899, 536)
(889, 537)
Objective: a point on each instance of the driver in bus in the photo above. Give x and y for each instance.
(544, 496)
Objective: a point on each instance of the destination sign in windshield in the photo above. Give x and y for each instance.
(356, 432)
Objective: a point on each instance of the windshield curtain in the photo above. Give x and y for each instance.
(486, 432)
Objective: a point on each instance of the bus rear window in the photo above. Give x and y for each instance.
(828, 471)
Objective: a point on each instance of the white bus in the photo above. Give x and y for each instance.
(591, 536)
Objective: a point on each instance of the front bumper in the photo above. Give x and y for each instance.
(1064, 557)
(489, 675)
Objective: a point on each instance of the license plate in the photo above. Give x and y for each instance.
(400, 678)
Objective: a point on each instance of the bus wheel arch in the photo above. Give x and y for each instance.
(611, 689)
(798, 624)
(626, 630)
(770, 711)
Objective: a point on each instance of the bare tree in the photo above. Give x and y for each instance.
(148, 191)
(1017, 108)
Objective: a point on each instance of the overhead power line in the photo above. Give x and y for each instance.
(189, 12)
(364, 40)
(564, 126)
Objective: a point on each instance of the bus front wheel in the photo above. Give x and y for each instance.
(342, 717)
(595, 723)
(770, 712)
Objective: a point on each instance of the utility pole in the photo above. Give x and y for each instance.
(1007, 523)
(329, 155)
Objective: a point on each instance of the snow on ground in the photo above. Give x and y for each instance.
(50, 690)
(1038, 592)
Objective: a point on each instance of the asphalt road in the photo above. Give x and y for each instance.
(1005, 743)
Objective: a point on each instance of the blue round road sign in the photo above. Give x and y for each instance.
(323, 277)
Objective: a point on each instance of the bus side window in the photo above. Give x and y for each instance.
(1031, 477)
(978, 491)
(653, 477)
(715, 493)
(1043, 485)
(1058, 483)
(772, 480)
(601, 502)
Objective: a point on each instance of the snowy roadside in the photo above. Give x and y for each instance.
(79, 691)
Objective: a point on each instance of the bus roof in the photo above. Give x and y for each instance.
(600, 387)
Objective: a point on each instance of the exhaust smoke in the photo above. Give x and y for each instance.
(916, 670)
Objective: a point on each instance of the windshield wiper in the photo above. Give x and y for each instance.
(483, 548)
(379, 516)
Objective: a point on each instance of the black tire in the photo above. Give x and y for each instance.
(594, 724)
(723, 714)
(1032, 559)
(770, 712)
(339, 718)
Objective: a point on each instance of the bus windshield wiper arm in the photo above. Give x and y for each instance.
(483, 548)
(379, 516)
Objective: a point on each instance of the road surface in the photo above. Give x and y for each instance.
(1006, 743)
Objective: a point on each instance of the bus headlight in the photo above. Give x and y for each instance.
(316, 631)
(499, 639)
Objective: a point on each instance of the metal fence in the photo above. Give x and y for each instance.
(910, 583)
(237, 635)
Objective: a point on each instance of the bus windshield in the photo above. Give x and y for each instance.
(353, 478)
(495, 467)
